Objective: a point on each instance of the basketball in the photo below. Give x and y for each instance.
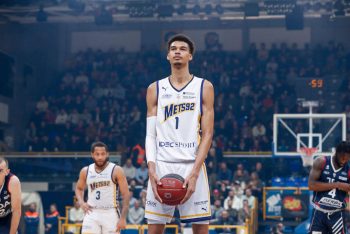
(171, 191)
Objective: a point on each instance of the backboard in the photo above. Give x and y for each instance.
(309, 134)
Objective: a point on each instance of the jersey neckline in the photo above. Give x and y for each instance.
(102, 170)
(179, 90)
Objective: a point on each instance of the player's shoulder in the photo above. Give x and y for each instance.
(320, 162)
(154, 84)
(84, 170)
(14, 179)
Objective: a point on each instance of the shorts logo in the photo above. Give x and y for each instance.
(200, 203)
(205, 209)
(151, 203)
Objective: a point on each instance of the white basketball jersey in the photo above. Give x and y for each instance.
(102, 191)
(178, 120)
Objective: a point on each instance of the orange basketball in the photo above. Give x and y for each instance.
(171, 190)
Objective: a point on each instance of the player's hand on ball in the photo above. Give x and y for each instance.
(86, 208)
(190, 184)
(154, 181)
(121, 225)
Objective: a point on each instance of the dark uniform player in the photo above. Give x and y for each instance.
(10, 199)
(330, 180)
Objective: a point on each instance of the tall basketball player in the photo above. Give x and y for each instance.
(330, 180)
(103, 179)
(180, 119)
(10, 199)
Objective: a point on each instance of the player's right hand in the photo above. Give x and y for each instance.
(153, 178)
(343, 186)
(86, 208)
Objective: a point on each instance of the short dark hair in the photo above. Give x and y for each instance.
(181, 37)
(2, 159)
(98, 144)
(343, 147)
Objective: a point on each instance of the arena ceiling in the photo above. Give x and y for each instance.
(86, 11)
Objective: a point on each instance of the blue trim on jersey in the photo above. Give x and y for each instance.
(112, 175)
(87, 173)
(195, 219)
(177, 90)
(157, 90)
(201, 96)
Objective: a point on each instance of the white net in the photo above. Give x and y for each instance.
(307, 155)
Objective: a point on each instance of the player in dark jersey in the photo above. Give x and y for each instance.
(10, 199)
(330, 180)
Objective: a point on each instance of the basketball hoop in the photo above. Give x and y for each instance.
(307, 155)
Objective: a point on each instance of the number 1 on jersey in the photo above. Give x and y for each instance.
(176, 122)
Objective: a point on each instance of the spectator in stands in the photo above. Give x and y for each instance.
(216, 210)
(237, 187)
(142, 198)
(42, 105)
(129, 170)
(256, 185)
(51, 220)
(236, 201)
(75, 216)
(224, 219)
(132, 199)
(249, 197)
(136, 214)
(278, 229)
(31, 219)
(244, 212)
(224, 174)
(142, 174)
(138, 155)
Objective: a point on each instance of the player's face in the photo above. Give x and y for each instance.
(100, 156)
(3, 170)
(343, 159)
(179, 53)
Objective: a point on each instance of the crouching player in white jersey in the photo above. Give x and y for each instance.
(178, 108)
(103, 179)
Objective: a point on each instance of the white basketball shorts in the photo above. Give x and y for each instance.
(100, 221)
(196, 209)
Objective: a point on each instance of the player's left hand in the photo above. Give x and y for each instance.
(190, 183)
(121, 225)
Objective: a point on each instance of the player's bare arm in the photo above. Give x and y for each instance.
(16, 201)
(120, 179)
(207, 126)
(80, 188)
(315, 174)
(151, 100)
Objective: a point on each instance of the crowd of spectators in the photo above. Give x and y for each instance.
(101, 95)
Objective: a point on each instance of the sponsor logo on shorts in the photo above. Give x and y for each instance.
(151, 203)
(330, 202)
(201, 203)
